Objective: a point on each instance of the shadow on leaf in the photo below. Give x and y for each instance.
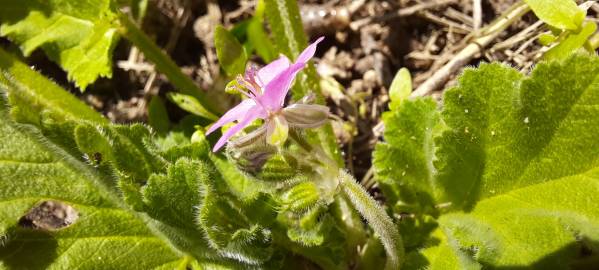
(29, 249)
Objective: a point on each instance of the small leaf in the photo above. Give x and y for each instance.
(547, 39)
(563, 14)
(124, 149)
(182, 181)
(191, 105)
(157, 115)
(231, 55)
(572, 43)
(401, 87)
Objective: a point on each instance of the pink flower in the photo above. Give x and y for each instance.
(266, 92)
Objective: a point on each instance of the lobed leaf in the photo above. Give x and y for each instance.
(78, 35)
(515, 172)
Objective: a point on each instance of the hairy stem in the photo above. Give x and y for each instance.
(380, 222)
(164, 63)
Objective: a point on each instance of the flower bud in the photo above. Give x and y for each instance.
(306, 115)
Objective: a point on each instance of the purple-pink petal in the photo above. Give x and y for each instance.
(234, 114)
(251, 115)
(268, 72)
(275, 79)
(276, 90)
(308, 52)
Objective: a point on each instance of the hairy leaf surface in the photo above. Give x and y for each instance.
(105, 235)
(514, 176)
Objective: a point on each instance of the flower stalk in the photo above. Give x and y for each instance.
(380, 222)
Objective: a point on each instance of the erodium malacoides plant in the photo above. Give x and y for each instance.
(502, 174)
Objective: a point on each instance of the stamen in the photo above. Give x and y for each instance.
(247, 84)
(253, 95)
(251, 76)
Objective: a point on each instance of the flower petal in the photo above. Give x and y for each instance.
(235, 113)
(308, 52)
(268, 72)
(276, 90)
(252, 114)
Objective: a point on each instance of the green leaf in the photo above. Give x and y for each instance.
(284, 18)
(481, 114)
(78, 35)
(407, 155)
(562, 14)
(182, 181)
(401, 87)
(236, 228)
(31, 94)
(38, 101)
(573, 42)
(190, 104)
(258, 37)
(231, 55)
(124, 149)
(514, 175)
(157, 115)
(546, 39)
(32, 171)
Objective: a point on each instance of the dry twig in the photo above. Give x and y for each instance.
(475, 46)
(356, 25)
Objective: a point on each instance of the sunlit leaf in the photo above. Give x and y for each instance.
(562, 14)
(514, 174)
(78, 35)
(573, 42)
(401, 87)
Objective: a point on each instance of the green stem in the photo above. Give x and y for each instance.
(164, 63)
(380, 222)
